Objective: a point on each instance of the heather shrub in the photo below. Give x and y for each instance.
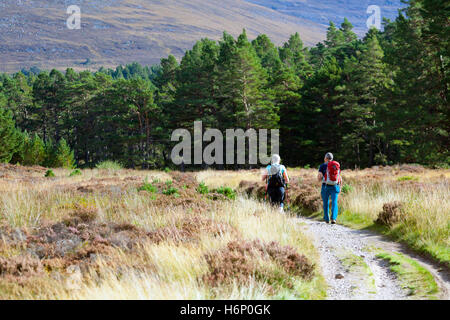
(391, 214)
(242, 261)
(190, 229)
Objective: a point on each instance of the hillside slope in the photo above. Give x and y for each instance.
(34, 33)
(323, 11)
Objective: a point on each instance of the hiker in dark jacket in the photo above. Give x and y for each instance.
(330, 176)
(277, 179)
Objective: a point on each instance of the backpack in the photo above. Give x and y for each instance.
(276, 179)
(333, 175)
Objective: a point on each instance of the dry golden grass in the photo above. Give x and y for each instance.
(425, 220)
(425, 224)
(169, 269)
(215, 179)
(176, 234)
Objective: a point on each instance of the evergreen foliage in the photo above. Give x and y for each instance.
(378, 100)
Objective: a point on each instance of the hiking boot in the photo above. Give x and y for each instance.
(333, 221)
(327, 222)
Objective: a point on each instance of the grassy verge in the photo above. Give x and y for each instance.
(400, 232)
(418, 280)
(356, 264)
(425, 222)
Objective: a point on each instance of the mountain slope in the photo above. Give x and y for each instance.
(323, 11)
(34, 32)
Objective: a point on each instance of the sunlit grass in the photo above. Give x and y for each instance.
(425, 193)
(166, 270)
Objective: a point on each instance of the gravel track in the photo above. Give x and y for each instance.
(336, 242)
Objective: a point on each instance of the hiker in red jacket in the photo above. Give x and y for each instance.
(330, 176)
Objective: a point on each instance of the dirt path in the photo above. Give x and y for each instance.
(352, 270)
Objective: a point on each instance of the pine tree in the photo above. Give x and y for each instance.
(19, 98)
(83, 114)
(33, 150)
(341, 43)
(142, 116)
(418, 54)
(268, 53)
(293, 56)
(243, 85)
(362, 95)
(347, 31)
(49, 94)
(321, 125)
(9, 136)
(335, 36)
(50, 154)
(64, 157)
(197, 93)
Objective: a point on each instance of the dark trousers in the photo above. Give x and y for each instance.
(276, 195)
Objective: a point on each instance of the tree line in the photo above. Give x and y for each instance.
(379, 100)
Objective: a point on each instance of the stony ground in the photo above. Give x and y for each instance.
(366, 277)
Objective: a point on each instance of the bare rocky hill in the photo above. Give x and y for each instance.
(34, 32)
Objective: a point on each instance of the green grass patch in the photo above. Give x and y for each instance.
(227, 192)
(315, 289)
(303, 212)
(354, 220)
(438, 250)
(148, 187)
(76, 172)
(414, 277)
(356, 264)
(407, 178)
(110, 165)
(49, 174)
(346, 188)
(171, 191)
(202, 188)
